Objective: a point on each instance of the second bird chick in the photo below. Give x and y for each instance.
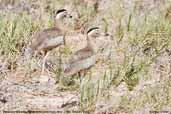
(85, 58)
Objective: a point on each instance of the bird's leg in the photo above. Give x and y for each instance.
(60, 62)
(81, 75)
(44, 62)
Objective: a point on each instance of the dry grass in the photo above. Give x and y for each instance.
(133, 77)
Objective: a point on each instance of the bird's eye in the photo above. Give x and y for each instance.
(65, 16)
(97, 33)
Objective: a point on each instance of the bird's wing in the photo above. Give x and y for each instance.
(81, 54)
(81, 59)
(43, 36)
(52, 32)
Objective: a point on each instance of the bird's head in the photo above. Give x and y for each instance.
(62, 14)
(95, 32)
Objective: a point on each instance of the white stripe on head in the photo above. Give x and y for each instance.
(60, 13)
(92, 31)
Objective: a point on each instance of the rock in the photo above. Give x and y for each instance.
(44, 79)
(51, 102)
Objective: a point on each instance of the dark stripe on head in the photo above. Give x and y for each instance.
(61, 10)
(91, 29)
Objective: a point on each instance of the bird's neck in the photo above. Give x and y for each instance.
(90, 44)
(60, 25)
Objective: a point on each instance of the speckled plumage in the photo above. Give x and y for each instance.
(84, 58)
(43, 40)
(48, 39)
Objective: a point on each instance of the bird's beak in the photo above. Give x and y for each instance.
(69, 16)
(105, 34)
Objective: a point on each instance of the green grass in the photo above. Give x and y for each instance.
(139, 43)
